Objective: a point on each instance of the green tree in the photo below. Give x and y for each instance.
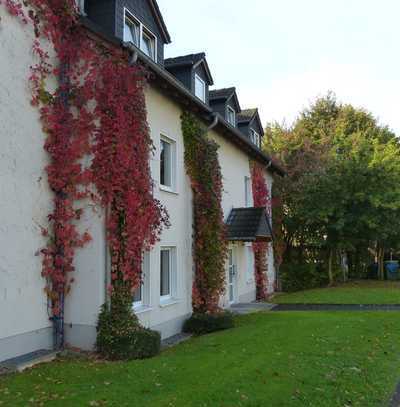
(342, 193)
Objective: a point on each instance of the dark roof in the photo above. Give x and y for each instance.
(249, 225)
(178, 92)
(160, 20)
(247, 115)
(224, 94)
(190, 60)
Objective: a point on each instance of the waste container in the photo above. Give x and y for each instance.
(392, 270)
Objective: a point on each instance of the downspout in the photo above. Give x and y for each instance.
(213, 124)
(58, 321)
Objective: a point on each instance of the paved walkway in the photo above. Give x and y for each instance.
(248, 308)
(336, 307)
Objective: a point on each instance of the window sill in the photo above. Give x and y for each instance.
(168, 190)
(169, 302)
(142, 309)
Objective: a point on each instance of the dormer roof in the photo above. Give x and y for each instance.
(160, 20)
(193, 60)
(225, 94)
(248, 115)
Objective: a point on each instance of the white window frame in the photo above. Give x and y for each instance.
(248, 192)
(153, 38)
(197, 77)
(145, 286)
(173, 187)
(250, 263)
(142, 30)
(173, 273)
(255, 138)
(229, 109)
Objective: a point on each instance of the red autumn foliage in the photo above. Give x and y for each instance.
(114, 133)
(261, 198)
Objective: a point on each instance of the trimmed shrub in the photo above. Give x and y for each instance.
(297, 277)
(201, 324)
(121, 337)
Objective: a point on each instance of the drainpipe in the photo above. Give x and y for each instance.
(134, 54)
(58, 321)
(213, 124)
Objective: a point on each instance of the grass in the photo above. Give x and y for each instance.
(269, 359)
(356, 292)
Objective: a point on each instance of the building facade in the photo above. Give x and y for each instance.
(178, 84)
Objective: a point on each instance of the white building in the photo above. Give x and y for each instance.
(25, 200)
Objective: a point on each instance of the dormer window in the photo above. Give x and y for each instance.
(255, 138)
(148, 44)
(131, 29)
(231, 116)
(136, 33)
(200, 88)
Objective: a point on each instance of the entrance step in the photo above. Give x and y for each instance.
(27, 361)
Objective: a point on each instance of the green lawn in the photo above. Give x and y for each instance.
(357, 292)
(269, 359)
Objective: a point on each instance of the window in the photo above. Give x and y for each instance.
(249, 262)
(231, 116)
(148, 44)
(167, 273)
(247, 192)
(131, 30)
(255, 138)
(199, 88)
(167, 163)
(136, 33)
(140, 296)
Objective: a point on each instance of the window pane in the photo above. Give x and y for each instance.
(231, 116)
(165, 273)
(250, 262)
(147, 45)
(200, 88)
(131, 32)
(137, 295)
(165, 164)
(247, 191)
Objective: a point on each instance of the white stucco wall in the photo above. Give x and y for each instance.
(25, 200)
(164, 118)
(88, 292)
(235, 166)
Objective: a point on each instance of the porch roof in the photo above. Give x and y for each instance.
(249, 225)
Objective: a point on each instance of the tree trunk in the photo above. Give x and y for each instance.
(381, 263)
(330, 267)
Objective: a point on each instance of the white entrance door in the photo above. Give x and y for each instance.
(232, 275)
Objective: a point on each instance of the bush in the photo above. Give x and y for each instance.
(121, 337)
(201, 324)
(297, 277)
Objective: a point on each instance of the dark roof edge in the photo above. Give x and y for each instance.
(160, 20)
(206, 68)
(207, 113)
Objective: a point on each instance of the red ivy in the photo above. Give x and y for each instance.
(261, 198)
(114, 132)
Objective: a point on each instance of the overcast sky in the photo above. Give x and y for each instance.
(280, 54)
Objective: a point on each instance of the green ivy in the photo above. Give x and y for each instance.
(209, 230)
